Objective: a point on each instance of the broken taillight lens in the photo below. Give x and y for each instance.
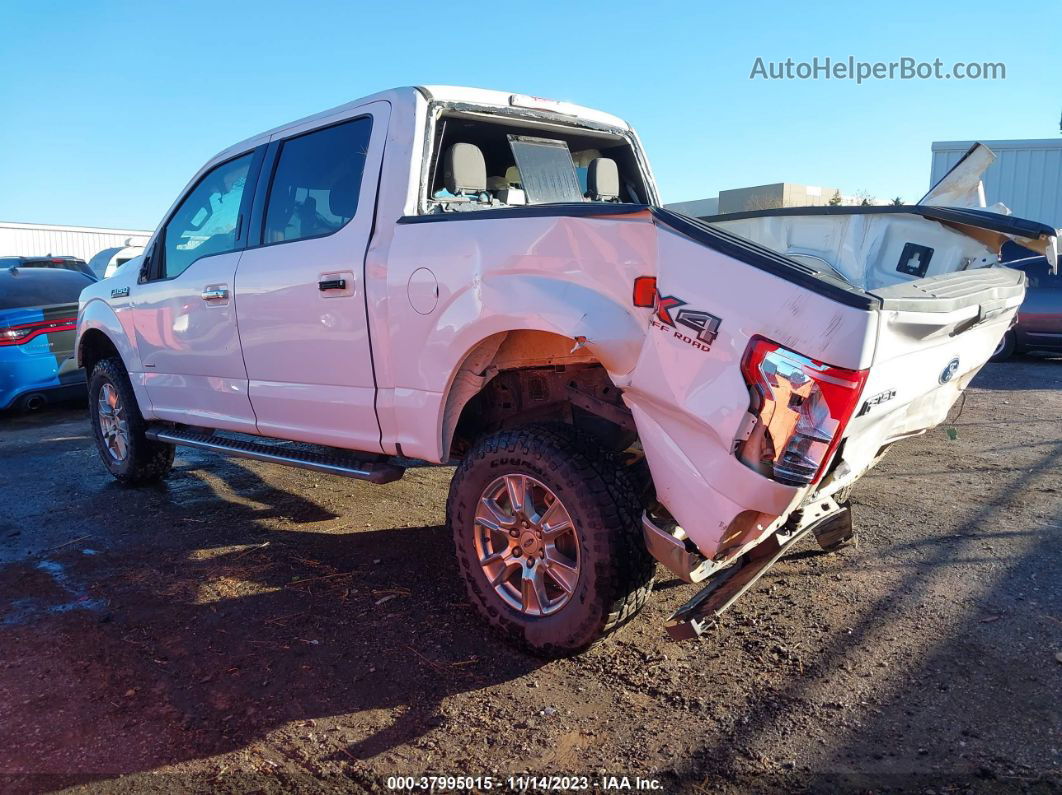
(803, 407)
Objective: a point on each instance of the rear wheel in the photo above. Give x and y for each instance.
(119, 428)
(1005, 349)
(546, 526)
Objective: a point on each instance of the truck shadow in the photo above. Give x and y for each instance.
(208, 630)
(958, 707)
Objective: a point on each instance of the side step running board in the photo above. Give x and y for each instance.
(321, 459)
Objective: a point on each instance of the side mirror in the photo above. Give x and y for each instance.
(145, 268)
(145, 265)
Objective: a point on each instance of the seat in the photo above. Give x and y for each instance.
(465, 173)
(602, 180)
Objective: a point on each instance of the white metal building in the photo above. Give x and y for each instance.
(38, 240)
(1026, 176)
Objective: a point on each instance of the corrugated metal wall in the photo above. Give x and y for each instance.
(1027, 175)
(35, 240)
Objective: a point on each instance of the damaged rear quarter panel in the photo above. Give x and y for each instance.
(573, 275)
(696, 401)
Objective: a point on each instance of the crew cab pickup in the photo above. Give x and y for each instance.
(470, 277)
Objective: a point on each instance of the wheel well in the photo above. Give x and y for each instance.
(95, 345)
(519, 377)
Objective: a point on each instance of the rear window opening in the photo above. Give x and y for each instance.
(484, 163)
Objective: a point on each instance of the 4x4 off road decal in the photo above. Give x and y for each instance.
(705, 326)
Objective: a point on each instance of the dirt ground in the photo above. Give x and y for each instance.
(250, 627)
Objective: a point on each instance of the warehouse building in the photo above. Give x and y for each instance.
(767, 197)
(85, 242)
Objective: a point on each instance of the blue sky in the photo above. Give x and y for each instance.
(110, 107)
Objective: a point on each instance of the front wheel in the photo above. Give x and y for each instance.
(546, 526)
(119, 428)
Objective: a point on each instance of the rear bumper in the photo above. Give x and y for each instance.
(22, 376)
(53, 394)
(706, 489)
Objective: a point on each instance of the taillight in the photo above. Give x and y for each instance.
(803, 407)
(21, 334)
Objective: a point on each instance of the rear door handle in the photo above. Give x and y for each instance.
(332, 284)
(215, 294)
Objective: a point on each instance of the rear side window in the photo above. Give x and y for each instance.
(206, 221)
(315, 186)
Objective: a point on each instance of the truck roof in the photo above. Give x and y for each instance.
(455, 94)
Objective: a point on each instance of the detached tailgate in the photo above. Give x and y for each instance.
(933, 336)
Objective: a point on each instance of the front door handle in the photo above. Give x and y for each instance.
(215, 294)
(332, 284)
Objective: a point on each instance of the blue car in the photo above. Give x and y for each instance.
(38, 320)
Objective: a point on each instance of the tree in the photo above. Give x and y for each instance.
(865, 198)
(835, 200)
(897, 202)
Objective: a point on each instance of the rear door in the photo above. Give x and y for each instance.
(300, 288)
(184, 313)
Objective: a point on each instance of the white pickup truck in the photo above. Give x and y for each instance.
(456, 275)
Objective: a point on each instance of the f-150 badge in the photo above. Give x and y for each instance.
(120, 292)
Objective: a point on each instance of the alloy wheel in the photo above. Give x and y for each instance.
(527, 544)
(113, 424)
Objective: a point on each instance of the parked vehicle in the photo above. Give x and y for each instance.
(499, 287)
(38, 316)
(62, 263)
(107, 262)
(1039, 325)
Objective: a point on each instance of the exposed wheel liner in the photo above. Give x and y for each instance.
(146, 461)
(617, 572)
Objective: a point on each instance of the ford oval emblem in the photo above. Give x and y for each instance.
(949, 372)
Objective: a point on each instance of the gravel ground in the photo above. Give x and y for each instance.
(246, 626)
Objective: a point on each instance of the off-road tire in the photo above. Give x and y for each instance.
(1006, 348)
(147, 461)
(616, 574)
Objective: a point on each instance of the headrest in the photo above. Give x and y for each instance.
(464, 170)
(602, 178)
(343, 198)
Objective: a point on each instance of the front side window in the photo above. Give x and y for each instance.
(315, 187)
(206, 222)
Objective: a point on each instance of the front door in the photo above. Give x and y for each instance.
(300, 287)
(184, 313)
